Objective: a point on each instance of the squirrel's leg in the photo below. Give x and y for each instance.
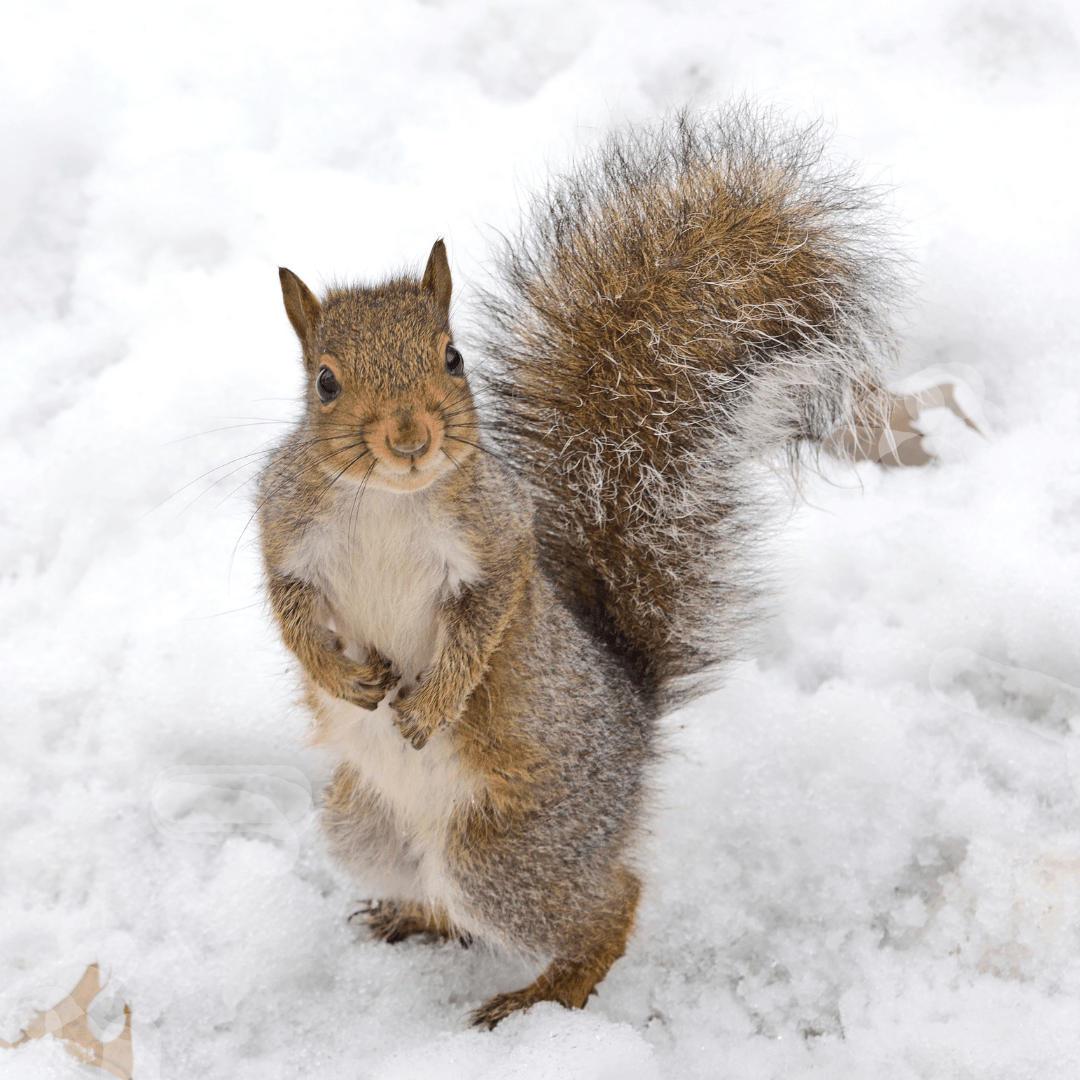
(471, 624)
(394, 920)
(570, 982)
(301, 610)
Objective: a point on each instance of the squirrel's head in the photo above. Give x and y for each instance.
(387, 398)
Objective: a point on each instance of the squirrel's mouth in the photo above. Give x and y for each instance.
(412, 478)
(407, 450)
(404, 460)
(378, 474)
(401, 449)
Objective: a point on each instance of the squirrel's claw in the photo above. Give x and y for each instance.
(377, 671)
(416, 732)
(364, 696)
(415, 722)
(365, 684)
(395, 920)
(499, 1008)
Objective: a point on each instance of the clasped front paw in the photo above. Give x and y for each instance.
(415, 719)
(367, 683)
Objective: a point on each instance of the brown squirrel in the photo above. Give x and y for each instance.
(493, 616)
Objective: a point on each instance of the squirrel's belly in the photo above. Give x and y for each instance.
(420, 789)
(385, 572)
(389, 604)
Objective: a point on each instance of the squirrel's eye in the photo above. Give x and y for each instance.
(455, 363)
(326, 385)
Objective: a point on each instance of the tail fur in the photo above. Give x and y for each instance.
(690, 298)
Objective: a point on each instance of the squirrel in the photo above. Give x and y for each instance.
(494, 608)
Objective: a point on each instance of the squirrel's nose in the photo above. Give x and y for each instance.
(413, 448)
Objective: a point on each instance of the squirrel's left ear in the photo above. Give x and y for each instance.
(303, 309)
(436, 278)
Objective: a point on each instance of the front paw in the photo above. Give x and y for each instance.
(416, 719)
(376, 671)
(366, 684)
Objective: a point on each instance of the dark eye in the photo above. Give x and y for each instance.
(455, 364)
(326, 385)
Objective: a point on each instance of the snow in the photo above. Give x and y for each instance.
(864, 860)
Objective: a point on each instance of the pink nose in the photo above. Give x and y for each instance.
(412, 448)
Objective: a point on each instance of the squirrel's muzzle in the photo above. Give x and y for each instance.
(413, 448)
(408, 436)
(406, 445)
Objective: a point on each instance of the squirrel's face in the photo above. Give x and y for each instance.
(395, 416)
(388, 401)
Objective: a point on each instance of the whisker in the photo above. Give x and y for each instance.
(452, 459)
(249, 421)
(341, 472)
(243, 459)
(459, 412)
(485, 450)
(218, 614)
(486, 512)
(291, 475)
(358, 497)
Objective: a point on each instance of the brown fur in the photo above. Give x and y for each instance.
(301, 616)
(696, 296)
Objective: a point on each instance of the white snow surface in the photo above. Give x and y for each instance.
(864, 860)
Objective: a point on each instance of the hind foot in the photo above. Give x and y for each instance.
(395, 920)
(571, 982)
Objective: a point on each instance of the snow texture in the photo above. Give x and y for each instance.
(865, 857)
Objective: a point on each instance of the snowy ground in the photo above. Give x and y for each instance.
(865, 859)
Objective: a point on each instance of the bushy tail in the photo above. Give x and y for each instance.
(690, 298)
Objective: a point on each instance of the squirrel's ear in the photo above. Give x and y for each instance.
(303, 309)
(436, 277)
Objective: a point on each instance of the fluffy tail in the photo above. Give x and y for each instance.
(690, 298)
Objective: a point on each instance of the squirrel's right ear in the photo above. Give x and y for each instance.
(303, 309)
(436, 279)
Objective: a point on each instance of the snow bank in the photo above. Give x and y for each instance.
(865, 857)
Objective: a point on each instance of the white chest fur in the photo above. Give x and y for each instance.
(384, 566)
(385, 561)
